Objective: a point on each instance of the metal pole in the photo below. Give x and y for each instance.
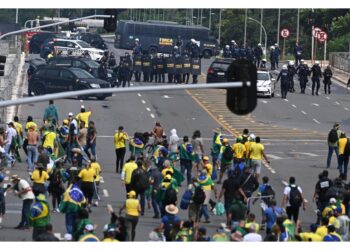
(245, 28)
(201, 16)
(209, 19)
(312, 41)
(298, 23)
(252, 19)
(325, 52)
(284, 48)
(16, 15)
(261, 21)
(278, 26)
(220, 26)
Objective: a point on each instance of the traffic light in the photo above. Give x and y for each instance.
(2, 65)
(110, 24)
(243, 100)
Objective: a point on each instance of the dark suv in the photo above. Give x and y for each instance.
(37, 41)
(87, 64)
(95, 40)
(60, 79)
(217, 70)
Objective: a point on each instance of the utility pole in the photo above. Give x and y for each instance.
(261, 21)
(298, 20)
(278, 26)
(209, 19)
(220, 25)
(201, 16)
(245, 28)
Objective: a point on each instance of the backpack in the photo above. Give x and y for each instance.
(228, 154)
(268, 191)
(170, 196)
(295, 198)
(185, 200)
(333, 136)
(347, 148)
(199, 196)
(140, 180)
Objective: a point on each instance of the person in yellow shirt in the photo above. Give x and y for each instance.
(207, 165)
(343, 157)
(239, 152)
(322, 230)
(39, 177)
(120, 139)
(167, 169)
(19, 129)
(109, 235)
(83, 116)
(87, 176)
(31, 123)
(97, 167)
(132, 212)
(127, 170)
(248, 144)
(256, 154)
(50, 142)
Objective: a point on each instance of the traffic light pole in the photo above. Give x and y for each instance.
(170, 87)
(51, 25)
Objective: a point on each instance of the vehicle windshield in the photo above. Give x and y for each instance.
(221, 66)
(92, 64)
(262, 76)
(81, 73)
(84, 45)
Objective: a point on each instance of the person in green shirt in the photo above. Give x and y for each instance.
(225, 159)
(82, 221)
(186, 157)
(186, 232)
(39, 215)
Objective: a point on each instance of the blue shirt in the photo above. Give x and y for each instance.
(271, 215)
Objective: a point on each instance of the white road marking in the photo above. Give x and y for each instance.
(286, 100)
(148, 109)
(278, 94)
(273, 157)
(139, 94)
(337, 103)
(131, 84)
(316, 121)
(81, 101)
(315, 104)
(105, 193)
(294, 106)
(166, 97)
(303, 112)
(273, 171)
(346, 108)
(101, 180)
(13, 211)
(143, 101)
(152, 115)
(285, 183)
(263, 101)
(328, 97)
(308, 154)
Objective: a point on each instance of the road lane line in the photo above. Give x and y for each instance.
(105, 193)
(139, 94)
(346, 108)
(315, 104)
(316, 121)
(286, 100)
(328, 97)
(148, 109)
(143, 101)
(294, 106)
(303, 112)
(152, 115)
(273, 157)
(278, 94)
(273, 171)
(285, 183)
(337, 103)
(102, 180)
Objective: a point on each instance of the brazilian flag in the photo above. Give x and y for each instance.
(39, 212)
(290, 227)
(178, 176)
(136, 146)
(73, 199)
(217, 138)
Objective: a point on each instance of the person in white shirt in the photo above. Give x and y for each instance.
(173, 141)
(10, 136)
(24, 191)
(252, 236)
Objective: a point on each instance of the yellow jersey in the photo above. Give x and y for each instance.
(209, 168)
(307, 236)
(132, 207)
(29, 124)
(87, 174)
(165, 170)
(128, 168)
(239, 150)
(256, 151)
(120, 139)
(36, 176)
(322, 231)
(50, 138)
(97, 167)
(84, 117)
(342, 143)
(109, 240)
(19, 128)
(248, 145)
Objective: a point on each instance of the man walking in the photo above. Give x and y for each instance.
(316, 75)
(120, 139)
(327, 75)
(332, 140)
(128, 168)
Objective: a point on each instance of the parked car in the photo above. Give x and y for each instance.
(217, 70)
(34, 64)
(265, 84)
(51, 79)
(95, 40)
(83, 63)
(37, 41)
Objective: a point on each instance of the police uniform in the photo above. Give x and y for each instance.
(137, 66)
(316, 75)
(160, 69)
(146, 67)
(178, 68)
(154, 61)
(284, 82)
(258, 52)
(227, 53)
(291, 72)
(195, 69)
(303, 72)
(327, 74)
(125, 68)
(170, 68)
(272, 59)
(186, 68)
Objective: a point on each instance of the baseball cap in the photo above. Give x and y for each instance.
(225, 140)
(70, 114)
(252, 136)
(205, 158)
(89, 227)
(332, 201)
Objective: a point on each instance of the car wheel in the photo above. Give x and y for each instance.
(273, 94)
(101, 98)
(39, 90)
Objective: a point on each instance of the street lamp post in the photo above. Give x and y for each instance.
(220, 25)
(262, 26)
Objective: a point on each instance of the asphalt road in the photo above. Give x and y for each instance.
(303, 157)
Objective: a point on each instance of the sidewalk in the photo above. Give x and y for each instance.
(341, 76)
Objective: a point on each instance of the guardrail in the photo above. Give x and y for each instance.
(340, 60)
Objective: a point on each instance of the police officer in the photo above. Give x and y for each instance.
(277, 54)
(315, 78)
(250, 54)
(125, 69)
(102, 71)
(154, 61)
(175, 51)
(170, 67)
(227, 52)
(195, 50)
(272, 57)
(160, 68)
(137, 66)
(111, 61)
(303, 72)
(186, 68)
(179, 44)
(263, 64)
(258, 52)
(242, 53)
(291, 72)
(178, 68)
(104, 58)
(146, 66)
(137, 50)
(298, 51)
(234, 50)
(284, 81)
(327, 75)
(195, 69)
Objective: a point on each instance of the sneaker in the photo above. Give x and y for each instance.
(96, 203)
(53, 210)
(206, 221)
(58, 210)
(156, 216)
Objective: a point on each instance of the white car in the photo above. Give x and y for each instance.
(265, 84)
(77, 47)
